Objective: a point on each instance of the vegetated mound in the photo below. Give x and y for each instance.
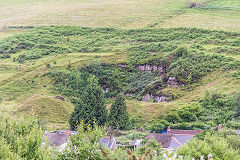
(163, 64)
(47, 108)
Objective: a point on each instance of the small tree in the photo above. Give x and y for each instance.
(118, 116)
(90, 106)
(85, 144)
(22, 140)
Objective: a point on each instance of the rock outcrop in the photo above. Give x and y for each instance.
(149, 68)
(172, 82)
(156, 98)
(122, 65)
(129, 94)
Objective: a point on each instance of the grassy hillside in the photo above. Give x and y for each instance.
(28, 54)
(28, 57)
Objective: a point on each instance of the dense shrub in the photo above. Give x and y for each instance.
(220, 145)
(173, 117)
(22, 140)
(158, 127)
(210, 111)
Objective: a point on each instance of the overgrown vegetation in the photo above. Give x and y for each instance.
(209, 112)
(223, 145)
(22, 140)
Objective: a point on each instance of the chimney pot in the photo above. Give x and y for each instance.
(168, 129)
(219, 127)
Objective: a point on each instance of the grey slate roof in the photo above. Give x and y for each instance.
(164, 139)
(179, 140)
(170, 140)
(56, 139)
(59, 138)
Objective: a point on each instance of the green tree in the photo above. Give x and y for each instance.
(90, 106)
(85, 145)
(118, 116)
(173, 117)
(22, 140)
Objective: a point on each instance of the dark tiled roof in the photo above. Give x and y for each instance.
(56, 139)
(184, 132)
(179, 140)
(164, 139)
(169, 140)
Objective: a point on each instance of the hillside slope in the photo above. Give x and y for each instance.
(29, 57)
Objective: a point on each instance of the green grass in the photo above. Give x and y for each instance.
(19, 87)
(91, 13)
(27, 92)
(120, 14)
(214, 15)
(223, 4)
(46, 108)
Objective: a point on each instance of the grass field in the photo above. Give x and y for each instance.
(218, 14)
(93, 13)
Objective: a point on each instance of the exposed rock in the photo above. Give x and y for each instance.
(156, 98)
(161, 70)
(122, 65)
(129, 94)
(161, 98)
(141, 67)
(172, 82)
(149, 68)
(146, 97)
(155, 68)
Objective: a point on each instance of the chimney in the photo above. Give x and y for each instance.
(168, 129)
(219, 127)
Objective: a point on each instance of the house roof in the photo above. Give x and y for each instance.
(179, 140)
(183, 132)
(170, 140)
(56, 139)
(164, 139)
